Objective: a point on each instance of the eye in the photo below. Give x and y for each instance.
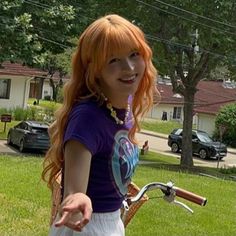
(134, 54)
(113, 60)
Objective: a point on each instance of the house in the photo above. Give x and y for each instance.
(18, 83)
(15, 84)
(209, 98)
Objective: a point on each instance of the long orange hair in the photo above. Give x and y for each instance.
(104, 37)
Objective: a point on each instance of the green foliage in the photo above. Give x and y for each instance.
(5, 111)
(227, 117)
(20, 114)
(32, 113)
(60, 95)
(34, 28)
(231, 170)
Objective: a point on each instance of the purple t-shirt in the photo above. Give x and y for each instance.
(114, 157)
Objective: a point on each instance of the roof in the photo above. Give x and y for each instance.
(209, 98)
(17, 69)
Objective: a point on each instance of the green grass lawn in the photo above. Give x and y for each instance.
(25, 201)
(164, 127)
(44, 103)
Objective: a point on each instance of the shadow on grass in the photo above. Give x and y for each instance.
(159, 161)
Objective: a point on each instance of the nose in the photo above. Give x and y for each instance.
(127, 64)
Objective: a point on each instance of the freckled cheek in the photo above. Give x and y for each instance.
(141, 67)
(111, 72)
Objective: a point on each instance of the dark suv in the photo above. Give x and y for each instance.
(29, 135)
(202, 144)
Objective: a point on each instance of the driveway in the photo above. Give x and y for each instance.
(6, 149)
(10, 150)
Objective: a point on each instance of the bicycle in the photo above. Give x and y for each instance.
(132, 203)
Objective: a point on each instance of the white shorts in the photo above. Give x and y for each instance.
(101, 224)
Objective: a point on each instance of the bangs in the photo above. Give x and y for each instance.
(117, 42)
(118, 39)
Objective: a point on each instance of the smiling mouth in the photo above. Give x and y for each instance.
(129, 80)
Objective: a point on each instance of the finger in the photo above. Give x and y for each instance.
(87, 213)
(64, 218)
(74, 226)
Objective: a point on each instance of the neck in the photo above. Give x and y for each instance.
(119, 103)
(113, 112)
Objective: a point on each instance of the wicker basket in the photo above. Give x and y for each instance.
(132, 191)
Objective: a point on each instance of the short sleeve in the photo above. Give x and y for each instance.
(82, 127)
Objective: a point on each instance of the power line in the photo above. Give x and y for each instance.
(155, 38)
(45, 39)
(194, 14)
(179, 16)
(44, 6)
(147, 36)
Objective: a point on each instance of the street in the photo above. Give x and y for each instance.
(158, 144)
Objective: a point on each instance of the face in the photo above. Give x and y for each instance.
(121, 75)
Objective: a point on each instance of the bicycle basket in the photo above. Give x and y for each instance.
(133, 189)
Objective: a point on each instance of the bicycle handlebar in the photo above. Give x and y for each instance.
(170, 192)
(192, 197)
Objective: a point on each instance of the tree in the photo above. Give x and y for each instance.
(30, 29)
(226, 118)
(38, 34)
(186, 36)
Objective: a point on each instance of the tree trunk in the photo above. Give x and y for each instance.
(186, 155)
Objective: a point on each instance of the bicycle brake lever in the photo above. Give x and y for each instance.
(171, 199)
(125, 205)
(183, 205)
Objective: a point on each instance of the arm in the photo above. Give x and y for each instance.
(76, 175)
(77, 167)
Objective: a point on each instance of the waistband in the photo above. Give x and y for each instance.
(106, 215)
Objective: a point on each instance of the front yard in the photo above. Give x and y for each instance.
(25, 201)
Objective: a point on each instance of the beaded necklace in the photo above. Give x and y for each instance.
(113, 112)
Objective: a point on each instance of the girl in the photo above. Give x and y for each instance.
(93, 140)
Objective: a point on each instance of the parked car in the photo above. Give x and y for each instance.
(29, 135)
(202, 144)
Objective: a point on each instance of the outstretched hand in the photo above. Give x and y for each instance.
(75, 211)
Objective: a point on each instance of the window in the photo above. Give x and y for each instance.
(177, 113)
(5, 85)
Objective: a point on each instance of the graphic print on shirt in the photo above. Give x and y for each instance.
(124, 160)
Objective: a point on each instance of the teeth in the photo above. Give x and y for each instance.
(130, 78)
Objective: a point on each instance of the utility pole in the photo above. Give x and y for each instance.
(195, 45)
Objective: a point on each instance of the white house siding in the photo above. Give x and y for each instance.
(157, 111)
(19, 92)
(47, 89)
(206, 123)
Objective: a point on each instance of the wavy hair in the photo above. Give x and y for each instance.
(104, 37)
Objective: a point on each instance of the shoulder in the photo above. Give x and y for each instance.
(86, 107)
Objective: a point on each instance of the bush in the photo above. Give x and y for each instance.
(231, 170)
(227, 118)
(47, 98)
(60, 95)
(20, 114)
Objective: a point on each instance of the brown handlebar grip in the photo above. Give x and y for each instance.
(192, 197)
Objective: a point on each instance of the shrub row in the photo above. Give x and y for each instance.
(30, 113)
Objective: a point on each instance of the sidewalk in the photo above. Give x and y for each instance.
(165, 136)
